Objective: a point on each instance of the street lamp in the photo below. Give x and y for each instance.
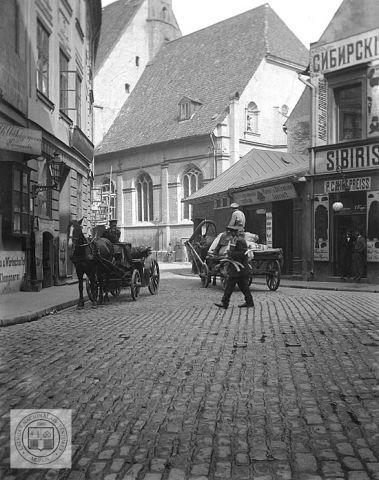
(55, 166)
(345, 187)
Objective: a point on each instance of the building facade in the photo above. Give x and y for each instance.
(132, 32)
(203, 102)
(46, 130)
(344, 76)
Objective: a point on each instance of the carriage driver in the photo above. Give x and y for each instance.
(113, 233)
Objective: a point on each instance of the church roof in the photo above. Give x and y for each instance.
(352, 17)
(210, 65)
(255, 168)
(115, 18)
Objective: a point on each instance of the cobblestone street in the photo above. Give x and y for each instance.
(172, 388)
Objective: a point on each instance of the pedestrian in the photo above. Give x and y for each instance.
(238, 272)
(238, 218)
(346, 255)
(359, 253)
(169, 252)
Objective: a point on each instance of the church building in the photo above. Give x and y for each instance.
(131, 34)
(203, 102)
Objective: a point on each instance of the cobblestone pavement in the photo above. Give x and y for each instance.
(172, 388)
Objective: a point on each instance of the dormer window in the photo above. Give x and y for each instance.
(187, 108)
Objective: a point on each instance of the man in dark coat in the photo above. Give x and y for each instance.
(238, 273)
(346, 254)
(359, 256)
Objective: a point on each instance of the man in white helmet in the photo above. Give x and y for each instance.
(238, 217)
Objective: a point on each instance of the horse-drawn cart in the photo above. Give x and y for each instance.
(264, 261)
(132, 268)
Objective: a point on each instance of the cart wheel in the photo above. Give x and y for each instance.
(154, 277)
(116, 291)
(92, 290)
(135, 284)
(273, 275)
(205, 276)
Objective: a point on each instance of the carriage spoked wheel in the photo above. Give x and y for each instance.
(154, 277)
(273, 275)
(205, 276)
(92, 288)
(135, 284)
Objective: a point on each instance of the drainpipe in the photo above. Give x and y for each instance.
(307, 83)
(234, 129)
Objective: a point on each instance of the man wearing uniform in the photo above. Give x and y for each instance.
(238, 274)
(238, 218)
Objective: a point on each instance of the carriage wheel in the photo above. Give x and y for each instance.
(116, 291)
(92, 290)
(205, 276)
(135, 284)
(154, 278)
(273, 275)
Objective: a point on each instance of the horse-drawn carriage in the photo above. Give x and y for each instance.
(111, 267)
(263, 261)
(131, 268)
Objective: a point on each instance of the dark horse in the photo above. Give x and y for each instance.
(84, 257)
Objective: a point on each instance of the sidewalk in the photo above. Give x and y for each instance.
(20, 307)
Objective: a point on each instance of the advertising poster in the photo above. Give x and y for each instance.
(373, 101)
(373, 226)
(12, 269)
(269, 229)
(321, 228)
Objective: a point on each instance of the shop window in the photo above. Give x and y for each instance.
(252, 115)
(42, 59)
(191, 182)
(144, 186)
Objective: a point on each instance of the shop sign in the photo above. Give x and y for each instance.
(353, 184)
(373, 226)
(12, 270)
(355, 50)
(321, 228)
(81, 143)
(349, 159)
(19, 139)
(269, 229)
(284, 191)
(373, 100)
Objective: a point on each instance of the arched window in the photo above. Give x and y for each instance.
(285, 110)
(144, 187)
(191, 182)
(252, 114)
(164, 13)
(108, 197)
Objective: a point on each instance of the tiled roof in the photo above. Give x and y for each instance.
(256, 167)
(115, 18)
(210, 65)
(351, 18)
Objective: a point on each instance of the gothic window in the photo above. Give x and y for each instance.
(164, 13)
(191, 182)
(144, 188)
(252, 114)
(108, 197)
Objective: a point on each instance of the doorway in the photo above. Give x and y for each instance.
(282, 232)
(47, 260)
(351, 218)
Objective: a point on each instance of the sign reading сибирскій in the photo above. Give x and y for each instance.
(349, 159)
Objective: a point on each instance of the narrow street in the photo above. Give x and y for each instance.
(171, 387)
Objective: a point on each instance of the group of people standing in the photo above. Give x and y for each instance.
(352, 256)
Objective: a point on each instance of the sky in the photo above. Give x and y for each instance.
(306, 18)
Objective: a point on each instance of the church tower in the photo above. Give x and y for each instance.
(162, 25)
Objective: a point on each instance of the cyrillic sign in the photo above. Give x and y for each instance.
(345, 53)
(274, 193)
(353, 184)
(360, 157)
(19, 139)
